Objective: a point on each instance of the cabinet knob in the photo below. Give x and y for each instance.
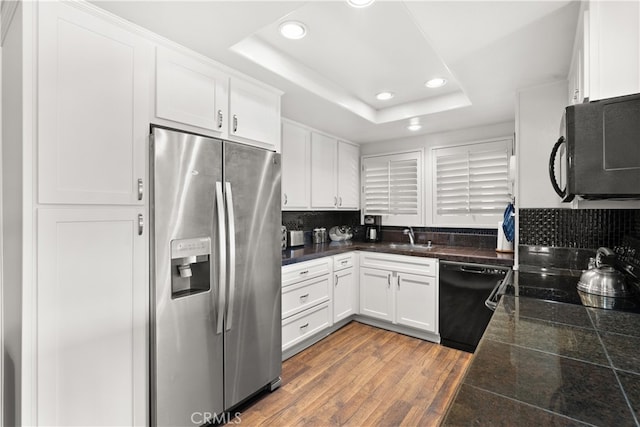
(340, 201)
(285, 198)
(336, 281)
(235, 123)
(335, 201)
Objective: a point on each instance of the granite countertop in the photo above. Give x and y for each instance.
(449, 253)
(550, 363)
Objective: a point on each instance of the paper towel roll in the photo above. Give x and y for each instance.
(503, 245)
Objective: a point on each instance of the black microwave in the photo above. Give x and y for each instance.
(598, 157)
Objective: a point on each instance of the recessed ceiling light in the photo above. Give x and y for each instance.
(293, 30)
(360, 3)
(385, 96)
(414, 127)
(437, 82)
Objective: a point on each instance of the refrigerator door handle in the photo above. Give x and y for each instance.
(222, 257)
(232, 254)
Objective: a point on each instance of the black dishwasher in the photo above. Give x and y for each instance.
(464, 289)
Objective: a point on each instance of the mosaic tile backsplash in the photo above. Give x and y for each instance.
(577, 228)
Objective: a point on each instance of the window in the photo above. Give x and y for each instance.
(471, 183)
(392, 188)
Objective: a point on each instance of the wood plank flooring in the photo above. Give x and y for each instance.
(362, 376)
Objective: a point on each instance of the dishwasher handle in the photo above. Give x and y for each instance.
(498, 290)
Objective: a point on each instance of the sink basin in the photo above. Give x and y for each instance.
(410, 247)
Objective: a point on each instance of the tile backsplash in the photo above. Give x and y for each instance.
(308, 220)
(577, 228)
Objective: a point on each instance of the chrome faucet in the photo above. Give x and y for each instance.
(409, 232)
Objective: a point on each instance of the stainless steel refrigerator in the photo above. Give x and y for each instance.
(215, 276)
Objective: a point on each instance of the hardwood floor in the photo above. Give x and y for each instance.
(362, 376)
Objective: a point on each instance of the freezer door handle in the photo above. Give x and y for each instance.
(222, 257)
(232, 254)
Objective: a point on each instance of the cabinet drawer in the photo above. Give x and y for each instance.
(295, 273)
(298, 327)
(400, 263)
(297, 297)
(343, 261)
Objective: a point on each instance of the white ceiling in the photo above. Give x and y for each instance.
(486, 51)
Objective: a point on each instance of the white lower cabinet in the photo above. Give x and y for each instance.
(306, 300)
(345, 288)
(297, 328)
(416, 305)
(400, 289)
(92, 358)
(376, 297)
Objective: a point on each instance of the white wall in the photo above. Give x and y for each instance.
(11, 216)
(538, 115)
(438, 139)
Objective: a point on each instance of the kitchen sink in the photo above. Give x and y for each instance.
(410, 247)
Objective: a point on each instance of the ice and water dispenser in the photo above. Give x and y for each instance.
(190, 266)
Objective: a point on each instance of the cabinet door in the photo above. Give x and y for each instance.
(190, 92)
(348, 176)
(296, 165)
(344, 294)
(375, 294)
(323, 171)
(254, 114)
(92, 358)
(93, 104)
(416, 301)
(614, 48)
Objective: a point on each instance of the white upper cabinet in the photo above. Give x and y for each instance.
(93, 99)
(606, 57)
(296, 166)
(348, 176)
(191, 92)
(254, 114)
(335, 173)
(323, 172)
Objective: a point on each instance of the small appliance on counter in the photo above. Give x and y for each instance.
(295, 238)
(284, 237)
(340, 233)
(373, 228)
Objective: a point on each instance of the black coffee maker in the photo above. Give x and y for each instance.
(373, 228)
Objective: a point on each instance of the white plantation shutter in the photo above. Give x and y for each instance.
(471, 183)
(392, 187)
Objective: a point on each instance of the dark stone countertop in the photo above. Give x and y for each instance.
(550, 363)
(449, 253)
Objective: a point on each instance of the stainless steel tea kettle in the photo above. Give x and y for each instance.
(604, 279)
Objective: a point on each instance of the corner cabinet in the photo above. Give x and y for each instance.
(400, 289)
(318, 171)
(345, 288)
(335, 173)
